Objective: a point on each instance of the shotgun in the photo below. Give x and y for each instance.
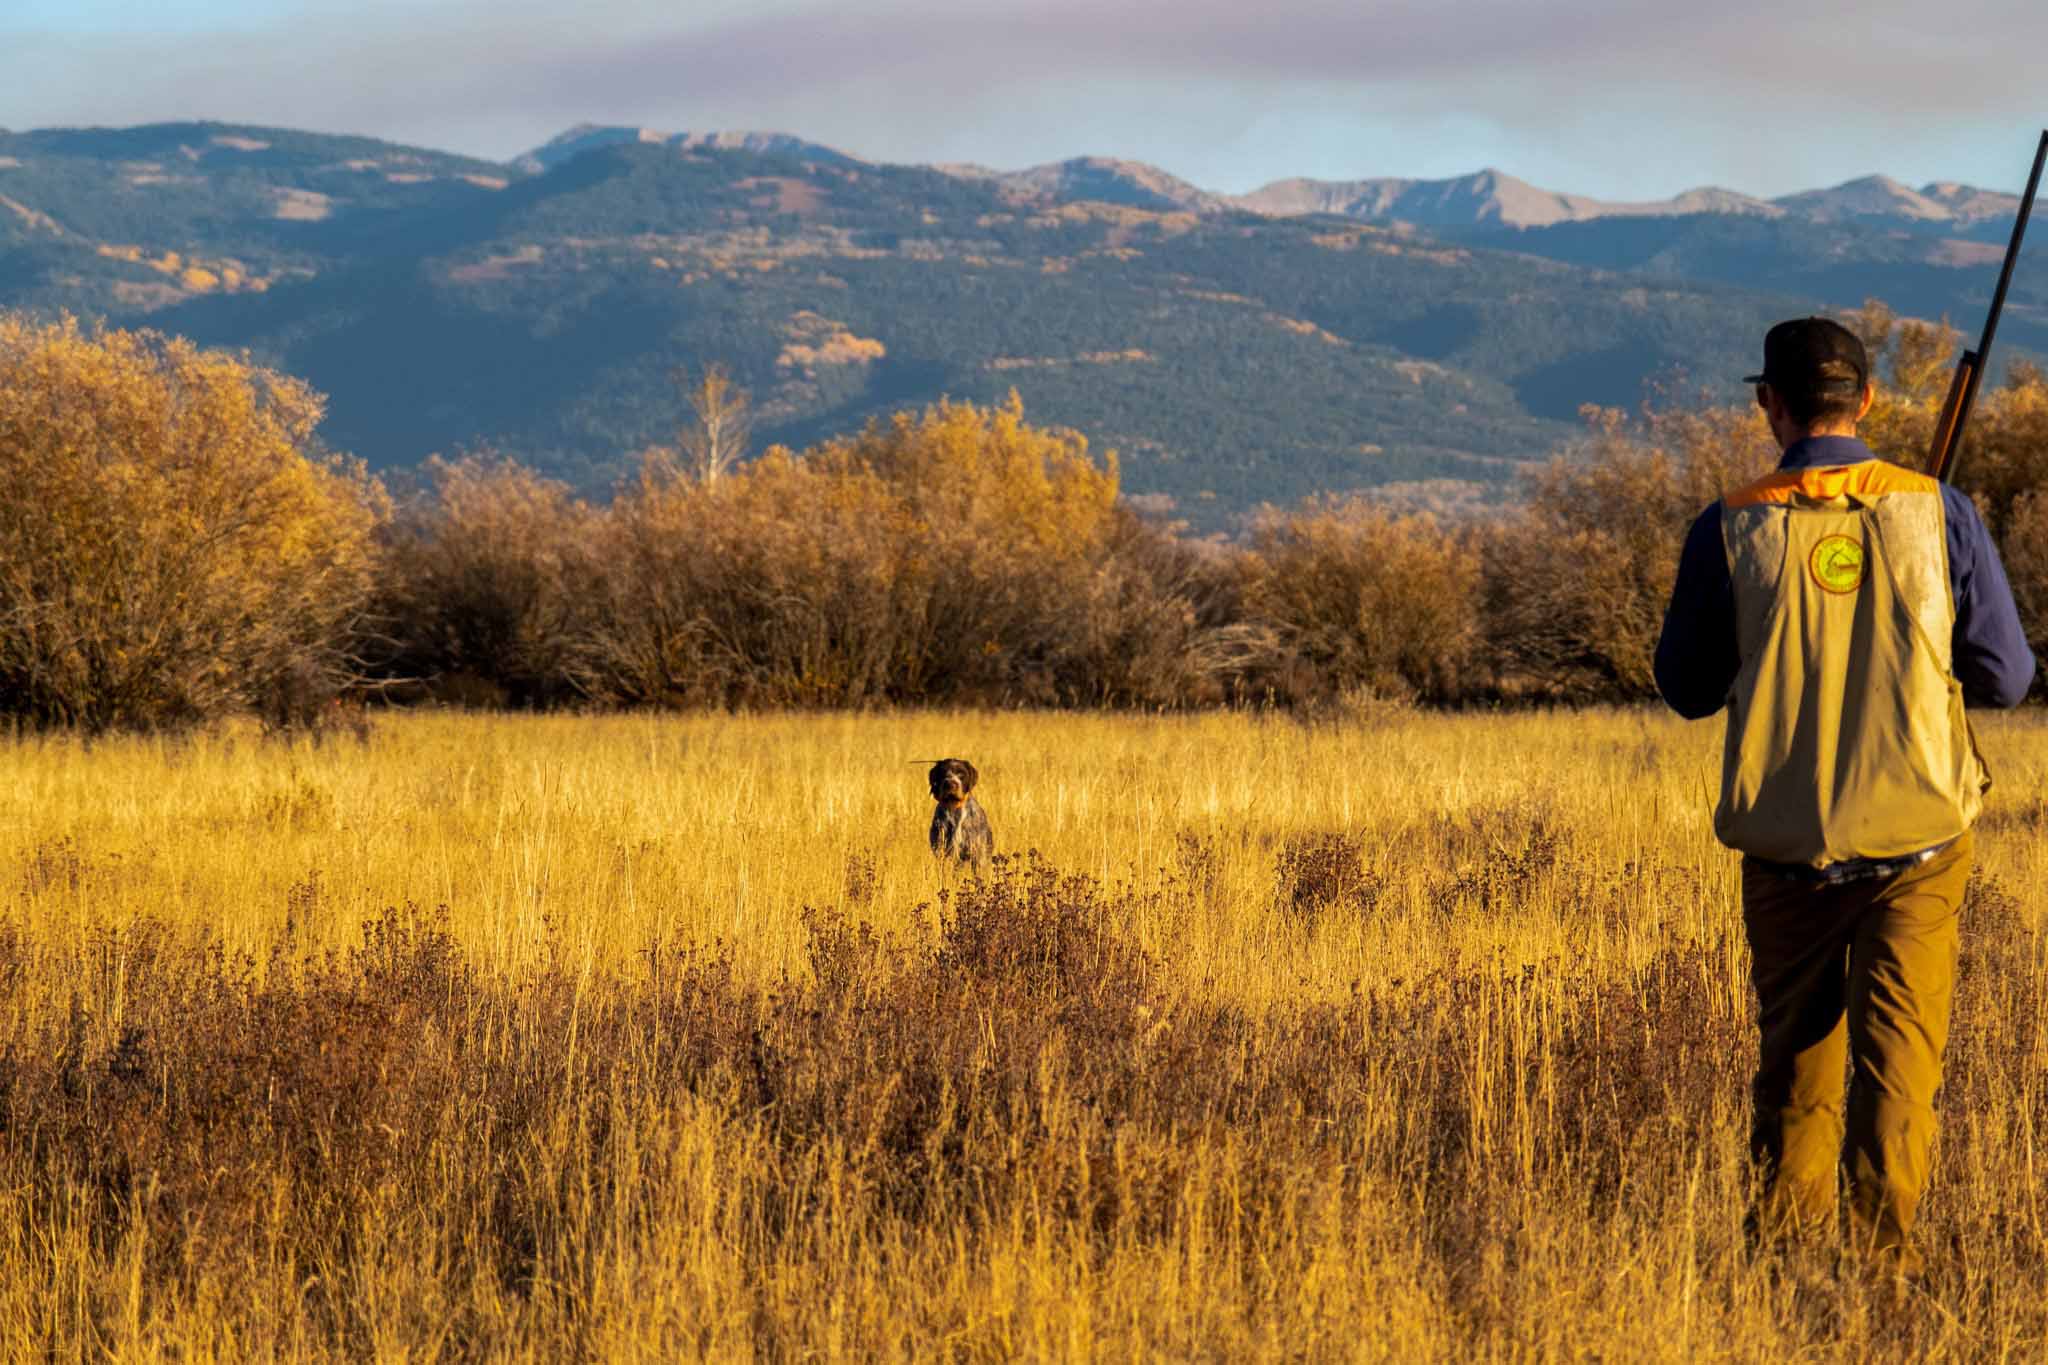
(1946, 447)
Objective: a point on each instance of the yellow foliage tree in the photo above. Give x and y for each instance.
(956, 552)
(2004, 449)
(776, 585)
(985, 472)
(1578, 578)
(1359, 598)
(1007, 521)
(480, 581)
(168, 549)
(1911, 363)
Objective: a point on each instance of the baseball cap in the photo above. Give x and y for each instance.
(1813, 354)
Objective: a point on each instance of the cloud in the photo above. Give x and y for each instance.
(1629, 96)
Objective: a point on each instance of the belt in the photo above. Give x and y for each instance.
(1849, 869)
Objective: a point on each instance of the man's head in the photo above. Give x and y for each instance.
(1815, 380)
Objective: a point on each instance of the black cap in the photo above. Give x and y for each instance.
(1813, 355)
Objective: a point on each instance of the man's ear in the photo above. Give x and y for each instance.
(1869, 397)
(1763, 396)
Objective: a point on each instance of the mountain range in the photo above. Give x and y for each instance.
(1494, 199)
(1426, 337)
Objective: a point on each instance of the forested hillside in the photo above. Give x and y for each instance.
(1231, 358)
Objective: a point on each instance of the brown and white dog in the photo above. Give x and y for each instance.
(960, 828)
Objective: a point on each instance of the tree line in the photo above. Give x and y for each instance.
(175, 546)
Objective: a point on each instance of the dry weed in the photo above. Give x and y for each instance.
(624, 1096)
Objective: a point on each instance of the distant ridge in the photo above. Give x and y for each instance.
(1493, 199)
(1106, 180)
(1871, 196)
(1943, 204)
(1486, 200)
(589, 137)
(1969, 204)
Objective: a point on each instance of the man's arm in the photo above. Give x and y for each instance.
(1697, 659)
(1992, 660)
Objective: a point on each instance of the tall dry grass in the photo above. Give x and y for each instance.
(1405, 1036)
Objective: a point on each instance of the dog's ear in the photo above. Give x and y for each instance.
(968, 776)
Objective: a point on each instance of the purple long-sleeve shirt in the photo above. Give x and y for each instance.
(1697, 658)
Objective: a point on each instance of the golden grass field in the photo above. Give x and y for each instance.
(1413, 1036)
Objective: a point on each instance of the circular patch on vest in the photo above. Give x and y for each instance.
(1837, 564)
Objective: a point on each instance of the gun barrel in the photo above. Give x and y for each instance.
(1948, 437)
(1941, 454)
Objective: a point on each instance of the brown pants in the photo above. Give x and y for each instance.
(1857, 976)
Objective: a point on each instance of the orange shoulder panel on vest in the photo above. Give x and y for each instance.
(1864, 479)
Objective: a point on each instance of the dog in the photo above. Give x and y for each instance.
(960, 827)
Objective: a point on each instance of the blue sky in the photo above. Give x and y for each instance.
(1619, 98)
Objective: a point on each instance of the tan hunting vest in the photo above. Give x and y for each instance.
(1846, 733)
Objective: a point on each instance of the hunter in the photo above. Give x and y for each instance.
(1844, 609)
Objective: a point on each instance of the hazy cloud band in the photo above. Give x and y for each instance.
(1626, 96)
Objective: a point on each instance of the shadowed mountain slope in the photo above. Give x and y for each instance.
(1231, 357)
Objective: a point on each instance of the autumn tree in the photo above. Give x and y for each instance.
(1007, 520)
(774, 586)
(713, 438)
(1360, 599)
(2004, 452)
(957, 553)
(1911, 362)
(169, 550)
(1578, 576)
(481, 579)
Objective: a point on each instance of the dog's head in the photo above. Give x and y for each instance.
(952, 780)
